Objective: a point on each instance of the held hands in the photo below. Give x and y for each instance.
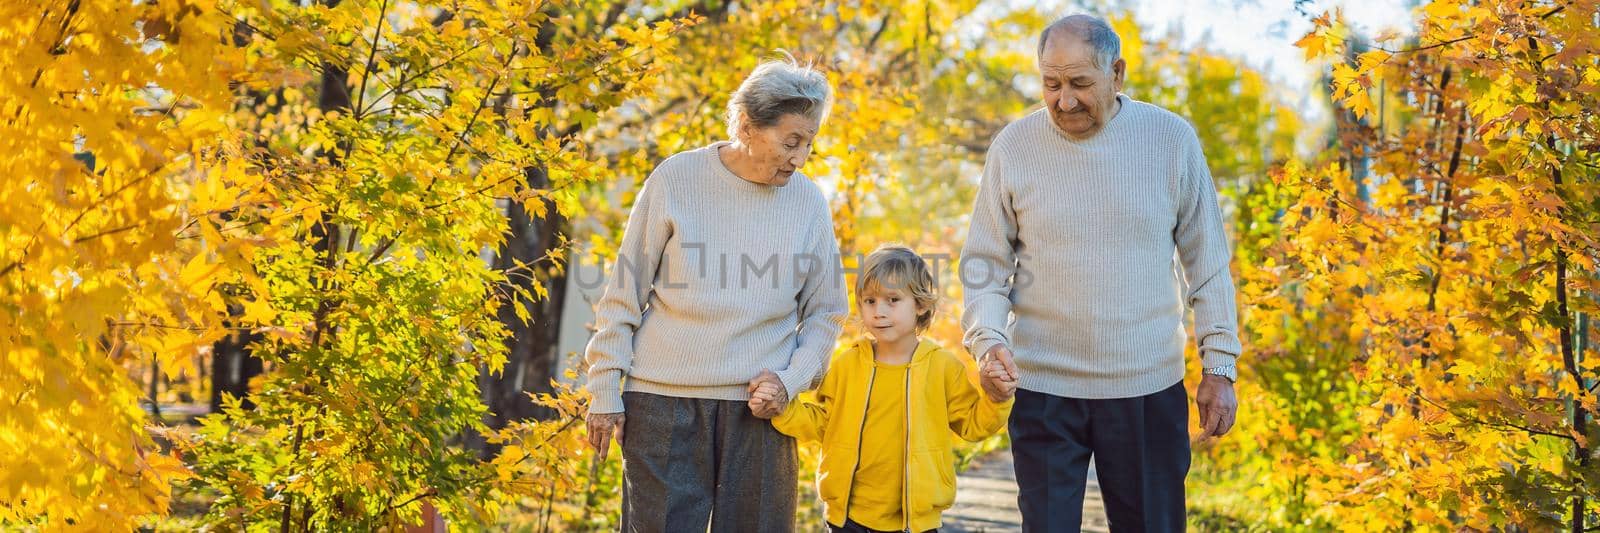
(768, 397)
(997, 374)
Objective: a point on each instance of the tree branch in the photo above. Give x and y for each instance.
(1439, 44)
(1501, 425)
(75, 220)
(372, 53)
(482, 103)
(872, 42)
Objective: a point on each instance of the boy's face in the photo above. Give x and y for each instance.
(889, 314)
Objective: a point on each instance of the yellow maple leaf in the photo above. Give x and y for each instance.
(168, 467)
(1359, 102)
(1344, 80)
(1442, 9)
(1369, 61)
(258, 311)
(197, 274)
(1313, 43)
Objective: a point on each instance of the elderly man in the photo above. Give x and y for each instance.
(1070, 268)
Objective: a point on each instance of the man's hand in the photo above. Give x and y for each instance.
(601, 428)
(768, 397)
(1217, 405)
(997, 374)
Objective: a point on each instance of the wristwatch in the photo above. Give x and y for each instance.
(1227, 371)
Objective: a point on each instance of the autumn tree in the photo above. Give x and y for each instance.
(410, 125)
(323, 175)
(107, 114)
(1438, 269)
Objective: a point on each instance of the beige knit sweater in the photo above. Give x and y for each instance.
(716, 279)
(1082, 255)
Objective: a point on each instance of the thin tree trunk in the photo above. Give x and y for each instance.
(232, 363)
(155, 382)
(532, 346)
(232, 367)
(333, 95)
(1580, 416)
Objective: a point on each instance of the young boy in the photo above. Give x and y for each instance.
(887, 408)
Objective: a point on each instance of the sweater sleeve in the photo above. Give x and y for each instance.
(1204, 252)
(822, 310)
(807, 415)
(973, 416)
(988, 261)
(622, 306)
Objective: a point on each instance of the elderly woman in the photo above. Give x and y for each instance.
(728, 271)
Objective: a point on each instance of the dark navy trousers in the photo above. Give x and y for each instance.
(1140, 448)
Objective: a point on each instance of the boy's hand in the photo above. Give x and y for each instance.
(998, 381)
(1001, 354)
(767, 395)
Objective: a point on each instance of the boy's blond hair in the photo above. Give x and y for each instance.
(895, 266)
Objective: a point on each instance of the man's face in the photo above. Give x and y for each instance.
(1080, 96)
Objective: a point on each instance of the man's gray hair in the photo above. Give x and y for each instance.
(1107, 45)
(777, 88)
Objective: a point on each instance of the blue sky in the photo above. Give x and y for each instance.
(1263, 32)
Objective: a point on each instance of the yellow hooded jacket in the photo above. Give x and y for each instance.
(942, 399)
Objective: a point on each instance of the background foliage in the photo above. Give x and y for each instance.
(378, 201)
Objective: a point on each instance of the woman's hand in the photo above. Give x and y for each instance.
(767, 395)
(601, 427)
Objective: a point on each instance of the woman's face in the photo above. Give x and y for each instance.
(780, 149)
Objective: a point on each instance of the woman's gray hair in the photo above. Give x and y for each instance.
(1107, 45)
(777, 88)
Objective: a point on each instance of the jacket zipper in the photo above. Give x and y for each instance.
(850, 492)
(905, 461)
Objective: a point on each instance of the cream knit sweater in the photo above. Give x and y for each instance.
(1082, 255)
(716, 279)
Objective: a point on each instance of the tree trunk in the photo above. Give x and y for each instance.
(232, 363)
(532, 346)
(232, 367)
(333, 95)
